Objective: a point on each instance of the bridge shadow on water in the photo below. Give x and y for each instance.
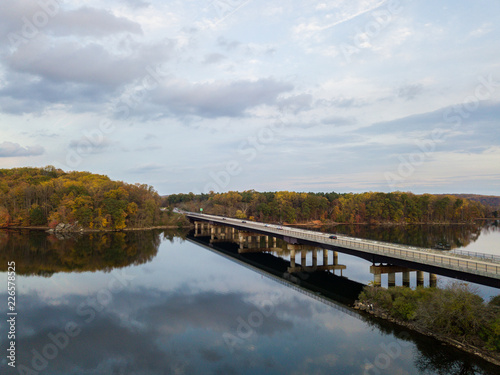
(430, 355)
(337, 288)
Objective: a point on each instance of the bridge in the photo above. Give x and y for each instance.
(468, 267)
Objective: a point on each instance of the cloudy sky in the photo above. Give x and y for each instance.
(344, 95)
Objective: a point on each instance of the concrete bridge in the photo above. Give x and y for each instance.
(464, 267)
(250, 242)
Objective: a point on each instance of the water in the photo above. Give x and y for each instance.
(480, 237)
(155, 303)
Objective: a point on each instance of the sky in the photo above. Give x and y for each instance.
(199, 96)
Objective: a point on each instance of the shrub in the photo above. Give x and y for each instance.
(495, 301)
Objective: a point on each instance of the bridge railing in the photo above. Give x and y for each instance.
(421, 255)
(434, 259)
(489, 257)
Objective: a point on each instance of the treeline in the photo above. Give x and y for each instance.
(48, 196)
(292, 207)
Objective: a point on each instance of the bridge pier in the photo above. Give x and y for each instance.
(315, 267)
(432, 280)
(391, 272)
(420, 278)
(201, 229)
(406, 278)
(250, 242)
(391, 279)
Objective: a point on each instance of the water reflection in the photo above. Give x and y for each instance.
(432, 356)
(37, 253)
(175, 332)
(178, 308)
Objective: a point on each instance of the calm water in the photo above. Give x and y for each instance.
(156, 303)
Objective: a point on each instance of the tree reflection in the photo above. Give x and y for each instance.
(431, 361)
(429, 236)
(37, 253)
(432, 356)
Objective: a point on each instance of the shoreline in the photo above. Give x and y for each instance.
(493, 358)
(89, 230)
(306, 224)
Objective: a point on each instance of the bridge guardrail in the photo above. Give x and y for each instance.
(489, 257)
(433, 259)
(423, 256)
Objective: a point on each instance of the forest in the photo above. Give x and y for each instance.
(31, 197)
(371, 207)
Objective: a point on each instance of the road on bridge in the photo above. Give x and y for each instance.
(465, 267)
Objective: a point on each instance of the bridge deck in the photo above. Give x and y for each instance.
(489, 268)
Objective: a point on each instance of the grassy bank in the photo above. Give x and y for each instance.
(455, 314)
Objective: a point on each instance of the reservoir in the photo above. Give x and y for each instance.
(168, 302)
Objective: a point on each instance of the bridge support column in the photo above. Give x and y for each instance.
(432, 280)
(377, 279)
(325, 257)
(391, 277)
(420, 278)
(406, 278)
(315, 258)
(303, 255)
(336, 261)
(292, 258)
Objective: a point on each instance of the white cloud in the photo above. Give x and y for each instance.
(221, 83)
(485, 28)
(11, 149)
(218, 99)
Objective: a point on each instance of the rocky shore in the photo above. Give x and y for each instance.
(369, 308)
